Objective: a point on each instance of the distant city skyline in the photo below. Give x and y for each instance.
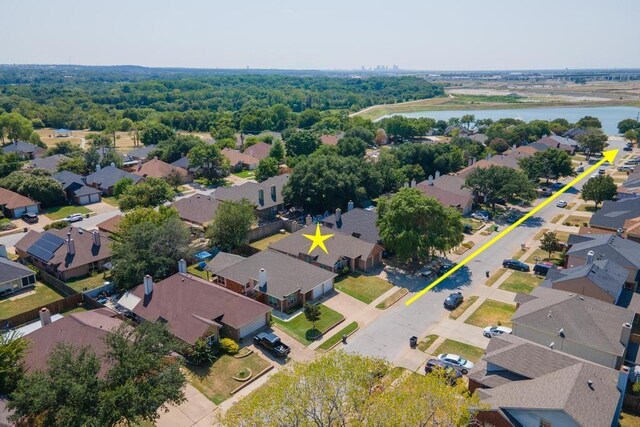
(330, 35)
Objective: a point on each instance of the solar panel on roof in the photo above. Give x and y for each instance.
(45, 246)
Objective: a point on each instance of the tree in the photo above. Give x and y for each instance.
(67, 148)
(229, 143)
(15, 127)
(593, 141)
(599, 188)
(628, 124)
(76, 165)
(9, 163)
(499, 145)
(589, 122)
(231, 223)
(148, 193)
(122, 186)
(37, 185)
(210, 161)
(127, 385)
(175, 179)
(500, 182)
(141, 215)
(149, 248)
(548, 164)
(549, 242)
(381, 137)
(312, 314)
(154, 133)
(91, 158)
(631, 135)
(352, 146)
(415, 226)
(466, 120)
(302, 142)
(266, 168)
(12, 348)
(101, 140)
(111, 157)
(361, 132)
(277, 151)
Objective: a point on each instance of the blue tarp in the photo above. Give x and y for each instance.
(62, 131)
(204, 255)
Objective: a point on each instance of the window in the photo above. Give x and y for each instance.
(273, 302)
(544, 423)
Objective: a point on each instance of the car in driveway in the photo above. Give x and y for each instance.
(457, 362)
(494, 331)
(74, 218)
(436, 364)
(29, 217)
(561, 204)
(453, 300)
(627, 148)
(514, 264)
(481, 215)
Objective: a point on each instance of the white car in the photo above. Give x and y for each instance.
(74, 217)
(458, 363)
(561, 204)
(494, 331)
(482, 216)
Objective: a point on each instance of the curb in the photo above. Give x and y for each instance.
(340, 342)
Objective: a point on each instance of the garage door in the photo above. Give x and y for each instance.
(94, 198)
(253, 326)
(83, 200)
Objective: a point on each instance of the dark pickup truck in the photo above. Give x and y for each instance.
(272, 343)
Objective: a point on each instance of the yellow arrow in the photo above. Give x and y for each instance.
(609, 156)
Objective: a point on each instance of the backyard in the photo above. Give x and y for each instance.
(456, 347)
(245, 174)
(87, 282)
(203, 274)
(61, 212)
(491, 313)
(216, 380)
(301, 329)
(263, 244)
(362, 287)
(521, 282)
(36, 298)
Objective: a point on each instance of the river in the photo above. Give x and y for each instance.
(609, 116)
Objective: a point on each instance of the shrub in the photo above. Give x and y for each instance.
(201, 352)
(635, 389)
(229, 346)
(57, 225)
(344, 271)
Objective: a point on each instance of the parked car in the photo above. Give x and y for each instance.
(602, 171)
(580, 168)
(29, 217)
(625, 168)
(453, 300)
(561, 204)
(547, 192)
(435, 364)
(627, 148)
(494, 331)
(542, 268)
(458, 363)
(515, 265)
(272, 343)
(481, 215)
(74, 217)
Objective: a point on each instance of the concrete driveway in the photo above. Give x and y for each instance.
(197, 410)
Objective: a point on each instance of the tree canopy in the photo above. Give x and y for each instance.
(593, 141)
(36, 184)
(548, 164)
(209, 161)
(266, 168)
(599, 188)
(500, 183)
(302, 142)
(148, 193)
(231, 223)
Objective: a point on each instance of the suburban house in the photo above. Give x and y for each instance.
(357, 222)
(238, 160)
(193, 308)
(67, 253)
(479, 137)
(126, 160)
(48, 163)
(197, 209)
(158, 169)
(142, 153)
(449, 190)
(555, 141)
(272, 278)
(509, 159)
(104, 179)
(329, 139)
(574, 133)
(13, 205)
(25, 150)
(623, 252)
(344, 250)
(75, 189)
(183, 163)
(266, 195)
(109, 226)
(14, 277)
(601, 279)
(613, 214)
(531, 385)
(631, 186)
(259, 150)
(578, 325)
(221, 261)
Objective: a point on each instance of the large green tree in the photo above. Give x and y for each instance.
(302, 142)
(599, 188)
(154, 133)
(352, 146)
(548, 164)
(593, 141)
(37, 185)
(500, 182)
(231, 223)
(415, 226)
(589, 122)
(209, 160)
(15, 127)
(266, 168)
(277, 151)
(12, 349)
(148, 193)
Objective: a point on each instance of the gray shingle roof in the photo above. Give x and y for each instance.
(605, 274)
(48, 163)
(11, 270)
(622, 251)
(66, 178)
(285, 275)
(108, 176)
(357, 222)
(21, 147)
(250, 191)
(221, 261)
(198, 208)
(613, 214)
(142, 152)
(632, 182)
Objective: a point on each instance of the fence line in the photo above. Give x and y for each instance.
(55, 307)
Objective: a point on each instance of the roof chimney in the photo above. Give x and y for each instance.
(3, 251)
(113, 165)
(262, 278)
(261, 197)
(98, 167)
(350, 206)
(148, 285)
(96, 238)
(71, 247)
(45, 316)
(437, 175)
(338, 215)
(590, 255)
(182, 266)
(273, 193)
(430, 179)
(308, 220)
(413, 183)
(619, 232)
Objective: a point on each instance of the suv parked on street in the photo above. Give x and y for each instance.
(515, 265)
(272, 343)
(74, 217)
(453, 300)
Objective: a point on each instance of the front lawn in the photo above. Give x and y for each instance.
(112, 201)
(492, 312)
(495, 276)
(331, 341)
(263, 244)
(36, 298)
(245, 174)
(556, 218)
(542, 255)
(577, 221)
(87, 282)
(426, 342)
(362, 287)
(392, 299)
(216, 380)
(61, 212)
(521, 282)
(467, 351)
(586, 207)
(462, 307)
(301, 329)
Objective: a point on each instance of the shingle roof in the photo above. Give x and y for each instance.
(221, 261)
(191, 305)
(557, 142)
(330, 139)
(259, 150)
(158, 169)
(108, 176)
(448, 189)
(586, 321)
(48, 163)
(285, 275)
(605, 274)
(11, 270)
(622, 251)
(613, 214)
(183, 162)
(22, 147)
(236, 157)
(198, 208)
(12, 200)
(142, 152)
(110, 225)
(250, 191)
(632, 183)
(67, 178)
(359, 221)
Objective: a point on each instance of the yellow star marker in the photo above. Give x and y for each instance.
(318, 239)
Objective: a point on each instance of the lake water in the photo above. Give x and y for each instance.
(609, 116)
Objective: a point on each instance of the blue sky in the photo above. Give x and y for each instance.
(326, 34)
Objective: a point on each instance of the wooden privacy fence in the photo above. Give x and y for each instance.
(631, 404)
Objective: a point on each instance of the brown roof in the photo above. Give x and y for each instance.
(191, 305)
(86, 329)
(158, 169)
(508, 160)
(13, 200)
(236, 157)
(259, 150)
(330, 139)
(197, 209)
(524, 151)
(589, 230)
(448, 190)
(110, 225)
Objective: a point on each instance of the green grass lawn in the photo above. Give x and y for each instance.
(216, 380)
(474, 223)
(563, 236)
(586, 207)
(112, 200)
(543, 256)
(362, 287)
(89, 282)
(193, 269)
(331, 341)
(521, 282)
(300, 328)
(456, 347)
(492, 312)
(41, 295)
(495, 276)
(263, 244)
(426, 342)
(392, 299)
(64, 211)
(462, 307)
(245, 174)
